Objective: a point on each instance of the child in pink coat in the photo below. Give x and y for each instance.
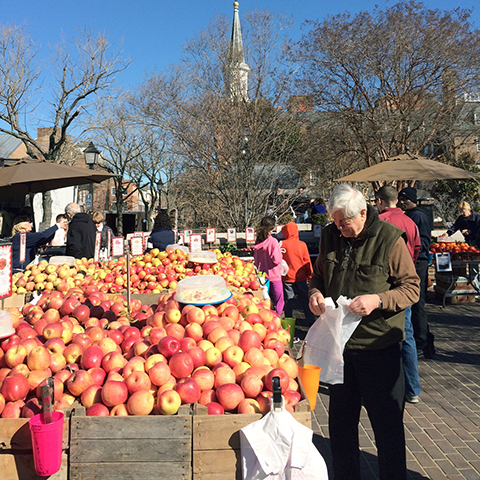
(268, 258)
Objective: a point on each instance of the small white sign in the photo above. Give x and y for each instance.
(443, 262)
(23, 247)
(138, 234)
(249, 234)
(231, 235)
(196, 242)
(117, 246)
(6, 271)
(317, 231)
(186, 236)
(136, 246)
(98, 241)
(211, 235)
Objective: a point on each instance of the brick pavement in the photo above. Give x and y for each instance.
(443, 430)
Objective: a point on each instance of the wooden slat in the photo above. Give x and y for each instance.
(130, 450)
(217, 465)
(148, 427)
(220, 432)
(131, 471)
(19, 466)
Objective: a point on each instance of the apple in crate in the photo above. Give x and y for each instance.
(229, 396)
(188, 390)
(214, 408)
(114, 393)
(169, 402)
(181, 364)
(15, 387)
(140, 402)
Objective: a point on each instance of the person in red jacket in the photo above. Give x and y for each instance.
(295, 253)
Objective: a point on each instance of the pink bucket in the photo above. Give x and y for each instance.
(47, 443)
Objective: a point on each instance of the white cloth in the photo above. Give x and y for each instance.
(277, 447)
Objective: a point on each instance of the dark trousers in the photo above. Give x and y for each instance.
(374, 378)
(419, 312)
(301, 290)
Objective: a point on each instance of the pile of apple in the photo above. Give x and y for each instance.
(149, 273)
(149, 360)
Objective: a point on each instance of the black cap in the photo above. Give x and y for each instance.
(410, 193)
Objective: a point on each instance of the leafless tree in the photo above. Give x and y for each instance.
(390, 78)
(233, 152)
(54, 95)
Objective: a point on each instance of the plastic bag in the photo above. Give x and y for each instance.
(284, 268)
(325, 341)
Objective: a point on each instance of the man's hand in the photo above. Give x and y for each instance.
(317, 303)
(364, 305)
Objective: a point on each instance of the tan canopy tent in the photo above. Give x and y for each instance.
(408, 167)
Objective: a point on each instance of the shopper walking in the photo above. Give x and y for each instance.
(295, 282)
(407, 201)
(268, 258)
(386, 200)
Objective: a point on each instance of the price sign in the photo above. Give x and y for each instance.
(98, 241)
(186, 236)
(138, 234)
(136, 246)
(145, 241)
(196, 242)
(5, 270)
(249, 234)
(317, 231)
(211, 235)
(117, 246)
(23, 247)
(231, 235)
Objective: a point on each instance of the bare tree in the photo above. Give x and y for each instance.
(390, 78)
(79, 74)
(233, 151)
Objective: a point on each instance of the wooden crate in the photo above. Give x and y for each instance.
(16, 456)
(216, 442)
(134, 448)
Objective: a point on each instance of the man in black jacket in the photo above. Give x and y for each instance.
(81, 233)
(407, 201)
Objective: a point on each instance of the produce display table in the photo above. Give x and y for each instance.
(460, 285)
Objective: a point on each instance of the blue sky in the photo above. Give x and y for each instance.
(153, 31)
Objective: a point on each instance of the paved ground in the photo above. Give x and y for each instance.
(443, 430)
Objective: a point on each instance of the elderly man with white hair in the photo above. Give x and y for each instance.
(366, 259)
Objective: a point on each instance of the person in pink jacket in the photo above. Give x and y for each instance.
(268, 258)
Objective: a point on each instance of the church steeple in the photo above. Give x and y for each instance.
(237, 69)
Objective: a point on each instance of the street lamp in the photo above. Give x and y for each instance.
(91, 154)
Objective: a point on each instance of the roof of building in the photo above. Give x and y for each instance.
(8, 144)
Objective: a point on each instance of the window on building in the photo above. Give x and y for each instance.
(114, 191)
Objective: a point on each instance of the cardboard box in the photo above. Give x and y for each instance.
(13, 301)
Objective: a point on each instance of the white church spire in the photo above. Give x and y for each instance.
(237, 69)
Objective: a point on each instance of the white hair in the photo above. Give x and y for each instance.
(347, 199)
(72, 209)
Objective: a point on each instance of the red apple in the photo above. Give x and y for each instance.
(204, 377)
(15, 387)
(138, 381)
(92, 395)
(249, 339)
(229, 396)
(188, 390)
(114, 393)
(97, 410)
(168, 346)
(282, 374)
(140, 402)
(91, 357)
(198, 356)
(78, 382)
(214, 408)
(252, 385)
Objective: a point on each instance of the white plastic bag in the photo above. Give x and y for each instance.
(284, 268)
(326, 339)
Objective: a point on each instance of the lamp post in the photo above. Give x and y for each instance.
(91, 154)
